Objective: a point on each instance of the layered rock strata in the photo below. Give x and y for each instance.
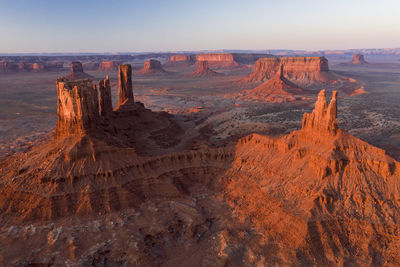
(77, 107)
(299, 70)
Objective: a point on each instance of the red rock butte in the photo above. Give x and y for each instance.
(277, 85)
(358, 59)
(77, 72)
(108, 65)
(152, 66)
(203, 70)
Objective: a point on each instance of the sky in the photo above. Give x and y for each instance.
(56, 26)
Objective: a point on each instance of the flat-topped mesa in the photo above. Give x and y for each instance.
(77, 107)
(221, 60)
(125, 93)
(323, 119)
(184, 60)
(152, 66)
(105, 107)
(358, 59)
(302, 70)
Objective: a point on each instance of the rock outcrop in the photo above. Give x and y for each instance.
(203, 70)
(299, 70)
(77, 72)
(77, 107)
(105, 100)
(125, 93)
(180, 60)
(323, 119)
(278, 84)
(152, 66)
(217, 60)
(108, 65)
(358, 59)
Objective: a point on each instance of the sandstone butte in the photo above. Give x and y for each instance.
(152, 66)
(277, 89)
(109, 65)
(98, 193)
(358, 59)
(77, 72)
(203, 70)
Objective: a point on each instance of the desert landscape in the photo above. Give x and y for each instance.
(198, 157)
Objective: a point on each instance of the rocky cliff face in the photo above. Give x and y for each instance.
(203, 70)
(152, 66)
(125, 93)
(181, 60)
(217, 60)
(108, 65)
(323, 119)
(358, 59)
(300, 70)
(77, 72)
(77, 107)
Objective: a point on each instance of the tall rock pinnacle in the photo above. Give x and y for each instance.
(105, 97)
(125, 93)
(323, 119)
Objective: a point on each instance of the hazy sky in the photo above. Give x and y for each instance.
(150, 25)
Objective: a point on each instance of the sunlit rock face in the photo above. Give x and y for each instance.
(300, 70)
(152, 66)
(125, 93)
(77, 107)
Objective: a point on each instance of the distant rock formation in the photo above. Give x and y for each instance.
(180, 60)
(323, 119)
(77, 107)
(38, 67)
(152, 66)
(300, 70)
(278, 84)
(358, 59)
(217, 60)
(203, 70)
(108, 65)
(77, 72)
(125, 93)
